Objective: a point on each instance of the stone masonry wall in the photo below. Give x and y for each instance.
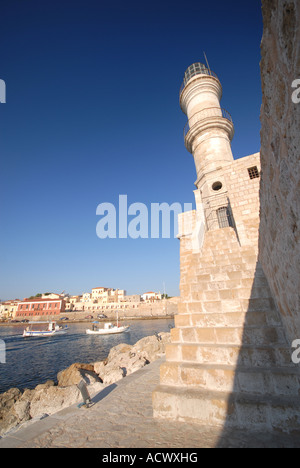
(279, 244)
(244, 197)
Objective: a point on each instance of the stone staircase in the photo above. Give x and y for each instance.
(228, 363)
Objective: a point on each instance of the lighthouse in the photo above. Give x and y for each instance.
(209, 130)
(227, 323)
(207, 136)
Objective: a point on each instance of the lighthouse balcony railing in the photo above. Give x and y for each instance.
(205, 114)
(191, 74)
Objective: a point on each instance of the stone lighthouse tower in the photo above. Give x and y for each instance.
(208, 134)
(209, 130)
(228, 358)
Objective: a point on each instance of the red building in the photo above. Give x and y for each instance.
(39, 307)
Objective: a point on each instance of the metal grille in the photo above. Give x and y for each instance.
(196, 69)
(253, 172)
(205, 114)
(224, 217)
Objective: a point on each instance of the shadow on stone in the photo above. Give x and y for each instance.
(263, 405)
(104, 393)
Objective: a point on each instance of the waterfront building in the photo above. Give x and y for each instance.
(8, 309)
(86, 297)
(29, 308)
(100, 294)
(151, 296)
(107, 295)
(52, 296)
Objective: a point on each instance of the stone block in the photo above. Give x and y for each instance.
(212, 306)
(169, 373)
(206, 335)
(182, 320)
(188, 335)
(189, 352)
(231, 336)
(173, 352)
(175, 335)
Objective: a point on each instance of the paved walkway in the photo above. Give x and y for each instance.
(121, 417)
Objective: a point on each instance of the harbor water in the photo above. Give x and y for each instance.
(32, 361)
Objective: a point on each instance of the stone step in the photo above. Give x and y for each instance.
(226, 306)
(228, 319)
(229, 265)
(230, 293)
(210, 267)
(247, 335)
(280, 381)
(247, 278)
(229, 257)
(230, 355)
(234, 410)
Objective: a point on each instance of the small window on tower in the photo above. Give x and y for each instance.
(253, 172)
(217, 186)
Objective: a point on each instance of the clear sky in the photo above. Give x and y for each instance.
(92, 113)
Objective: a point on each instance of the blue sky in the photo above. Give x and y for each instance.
(92, 113)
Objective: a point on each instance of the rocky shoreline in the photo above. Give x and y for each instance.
(17, 407)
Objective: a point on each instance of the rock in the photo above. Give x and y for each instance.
(8, 399)
(152, 346)
(27, 394)
(125, 359)
(8, 418)
(117, 350)
(53, 399)
(165, 337)
(8, 421)
(22, 410)
(112, 374)
(99, 367)
(49, 383)
(75, 373)
(118, 365)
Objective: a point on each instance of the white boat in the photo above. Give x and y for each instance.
(109, 329)
(52, 329)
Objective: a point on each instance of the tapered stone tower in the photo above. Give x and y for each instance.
(228, 363)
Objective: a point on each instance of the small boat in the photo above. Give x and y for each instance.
(52, 329)
(109, 329)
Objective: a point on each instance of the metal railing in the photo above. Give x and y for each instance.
(188, 76)
(205, 114)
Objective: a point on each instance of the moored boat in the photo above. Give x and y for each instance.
(108, 329)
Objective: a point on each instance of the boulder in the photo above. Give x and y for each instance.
(53, 399)
(152, 347)
(125, 359)
(22, 410)
(8, 418)
(49, 383)
(8, 399)
(75, 373)
(112, 373)
(118, 365)
(117, 350)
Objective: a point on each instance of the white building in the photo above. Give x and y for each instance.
(151, 296)
(86, 297)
